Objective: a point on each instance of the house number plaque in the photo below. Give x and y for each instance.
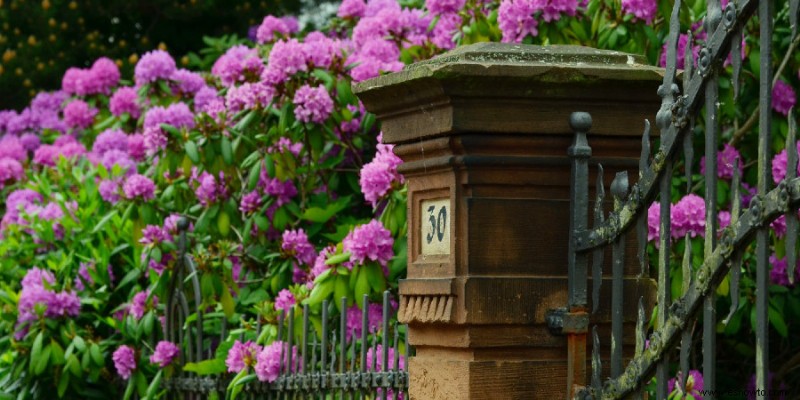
(435, 220)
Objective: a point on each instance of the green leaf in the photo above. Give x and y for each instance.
(253, 175)
(362, 287)
(319, 293)
(74, 366)
(777, 321)
(154, 385)
(36, 350)
(226, 150)
(191, 151)
(338, 258)
(129, 390)
(224, 223)
(57, 353)
(228, 306)
(43, 361)
(342, 289)
(172, 130)
(377, 281)
(63, 383)
(97, 355)
(207, 367)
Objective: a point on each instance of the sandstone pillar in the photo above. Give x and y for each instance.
(483, 132)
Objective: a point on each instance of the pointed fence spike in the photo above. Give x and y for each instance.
(641, 328)
(688, 60)
(619, 189)
(791, 216)
(765, 17)
(736, 259)
(597, 254)
(644, 159)
(597, 365)
(736, 61)
(688, 154)
(687, 270)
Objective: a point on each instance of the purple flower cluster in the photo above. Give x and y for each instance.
(209, 189)
(65, 146)
(295, 244)
(250, 202)
(177, 114)
(269, 363)
(312, 104)
(285, 300)
(725, 161)
(687, 217)
(352, 9)
(694, 384)
(783, 97)
(242, 355)
(247, 96)
(270, 28)
(99, 79)
(17, 203)
(78, 114)
(644, 10)
(139, 304)
(319, 263)
(125, 100)
(154, 65)
(439, 7)
(10, 171)
(283, 191)
(354, 319)
(187, 82)
(37, 289)
(379, 176)
(779, 274)
(124, 361)
(238, 65)
(164, 353)
(139, 187)
(517, 18)
(779, 164)
(369, 241)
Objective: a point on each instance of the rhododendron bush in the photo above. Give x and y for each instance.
(289, 193)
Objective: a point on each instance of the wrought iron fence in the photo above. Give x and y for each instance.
(317, 360)
(722, 253)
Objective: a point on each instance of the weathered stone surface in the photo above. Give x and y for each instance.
(484, 129)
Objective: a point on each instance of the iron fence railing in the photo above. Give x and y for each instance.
(319, 360)
(722, 254)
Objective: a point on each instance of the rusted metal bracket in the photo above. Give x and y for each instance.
(562, 322)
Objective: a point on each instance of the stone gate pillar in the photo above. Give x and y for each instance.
(483, 132)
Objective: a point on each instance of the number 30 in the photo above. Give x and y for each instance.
(438, 223)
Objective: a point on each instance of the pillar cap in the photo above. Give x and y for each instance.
(447, 88)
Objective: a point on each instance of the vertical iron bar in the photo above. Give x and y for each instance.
(641, 224)
(765, 16)
(619, 188)
(597, 254)
(713, 17)
(791, 216)
(405, 364)
(385, 339)
(662, 370)
(343, 340)
(736, 257)
(304, 358)
(597, 366)
(579, 152)
(290, 340)
(324, 356)
(396, 362)
(364, 332)
(686, 334)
